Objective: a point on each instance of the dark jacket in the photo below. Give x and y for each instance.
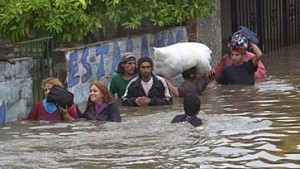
(159, 93)
(193, 120)
(109, 113)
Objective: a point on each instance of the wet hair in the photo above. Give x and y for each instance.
(190, 74)
(107, 96)
(128, 56)
(51, 80)
(191, 105)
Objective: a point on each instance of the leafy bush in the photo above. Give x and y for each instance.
(70, 20)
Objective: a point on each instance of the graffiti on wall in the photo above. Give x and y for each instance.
(2, 112)
(16, 97)
(100, 61)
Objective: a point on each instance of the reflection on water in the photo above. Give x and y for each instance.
(244, 127)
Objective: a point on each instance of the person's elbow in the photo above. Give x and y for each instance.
(259, 55)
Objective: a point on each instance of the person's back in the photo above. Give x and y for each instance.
(191, 85)
(191, 106)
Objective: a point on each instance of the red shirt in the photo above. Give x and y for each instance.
(38, 112)
(226, 61)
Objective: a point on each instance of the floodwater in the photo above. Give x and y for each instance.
(244, 127)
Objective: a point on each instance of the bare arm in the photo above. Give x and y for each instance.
(172, 88)
(257, 52)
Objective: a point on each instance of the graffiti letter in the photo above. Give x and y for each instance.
(101, 50)
(159, 42)
(180, 35)
(170, 38)
(129, 45)
(116, 57)
(86, 65)
(73, 69)
(2, 113)
(144, 50)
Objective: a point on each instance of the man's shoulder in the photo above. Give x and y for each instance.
(39, 104)
(196, 121)
(134, 81)
(158, 77)
(111, 105)
(116, 75)
(179, 118)
(136, 74)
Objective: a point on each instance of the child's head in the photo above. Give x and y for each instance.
(191, 105)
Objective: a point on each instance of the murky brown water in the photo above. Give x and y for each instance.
(244, 127)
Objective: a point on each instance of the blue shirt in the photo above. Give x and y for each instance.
(193, 120)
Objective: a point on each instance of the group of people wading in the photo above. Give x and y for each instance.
(135, 84)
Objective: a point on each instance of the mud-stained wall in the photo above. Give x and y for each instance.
(16, 96)
(98, 62)
(209, 32)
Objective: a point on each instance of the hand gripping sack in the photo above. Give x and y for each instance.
(60, 96)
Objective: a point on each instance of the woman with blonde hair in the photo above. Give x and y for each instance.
(101, 105)
(49, 111)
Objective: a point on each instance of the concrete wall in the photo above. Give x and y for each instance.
(16, 96)
(6, 48)
(209, 32)
(98, 61)
(226, 23)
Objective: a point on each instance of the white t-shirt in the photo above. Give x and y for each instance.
(147, 85)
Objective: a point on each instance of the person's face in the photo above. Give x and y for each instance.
(236, 58)
(145, 70)
(96, 95)
(129, 67)
(47, 88)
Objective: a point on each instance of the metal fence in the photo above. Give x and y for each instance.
(276, 22)
(41, 51)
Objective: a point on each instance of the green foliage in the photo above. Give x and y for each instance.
(73, 19)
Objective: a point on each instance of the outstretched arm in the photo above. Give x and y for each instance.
(172, 88)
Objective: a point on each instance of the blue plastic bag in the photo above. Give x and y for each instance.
(246, 32)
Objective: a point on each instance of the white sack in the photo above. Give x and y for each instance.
(172, 60)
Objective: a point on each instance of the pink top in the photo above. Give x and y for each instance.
(38, 112)
(226, 61)
(100, 108)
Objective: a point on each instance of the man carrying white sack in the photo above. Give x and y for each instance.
(191, 85)
(191, 60)
(171, 61)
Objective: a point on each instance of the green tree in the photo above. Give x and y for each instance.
(71, 20)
